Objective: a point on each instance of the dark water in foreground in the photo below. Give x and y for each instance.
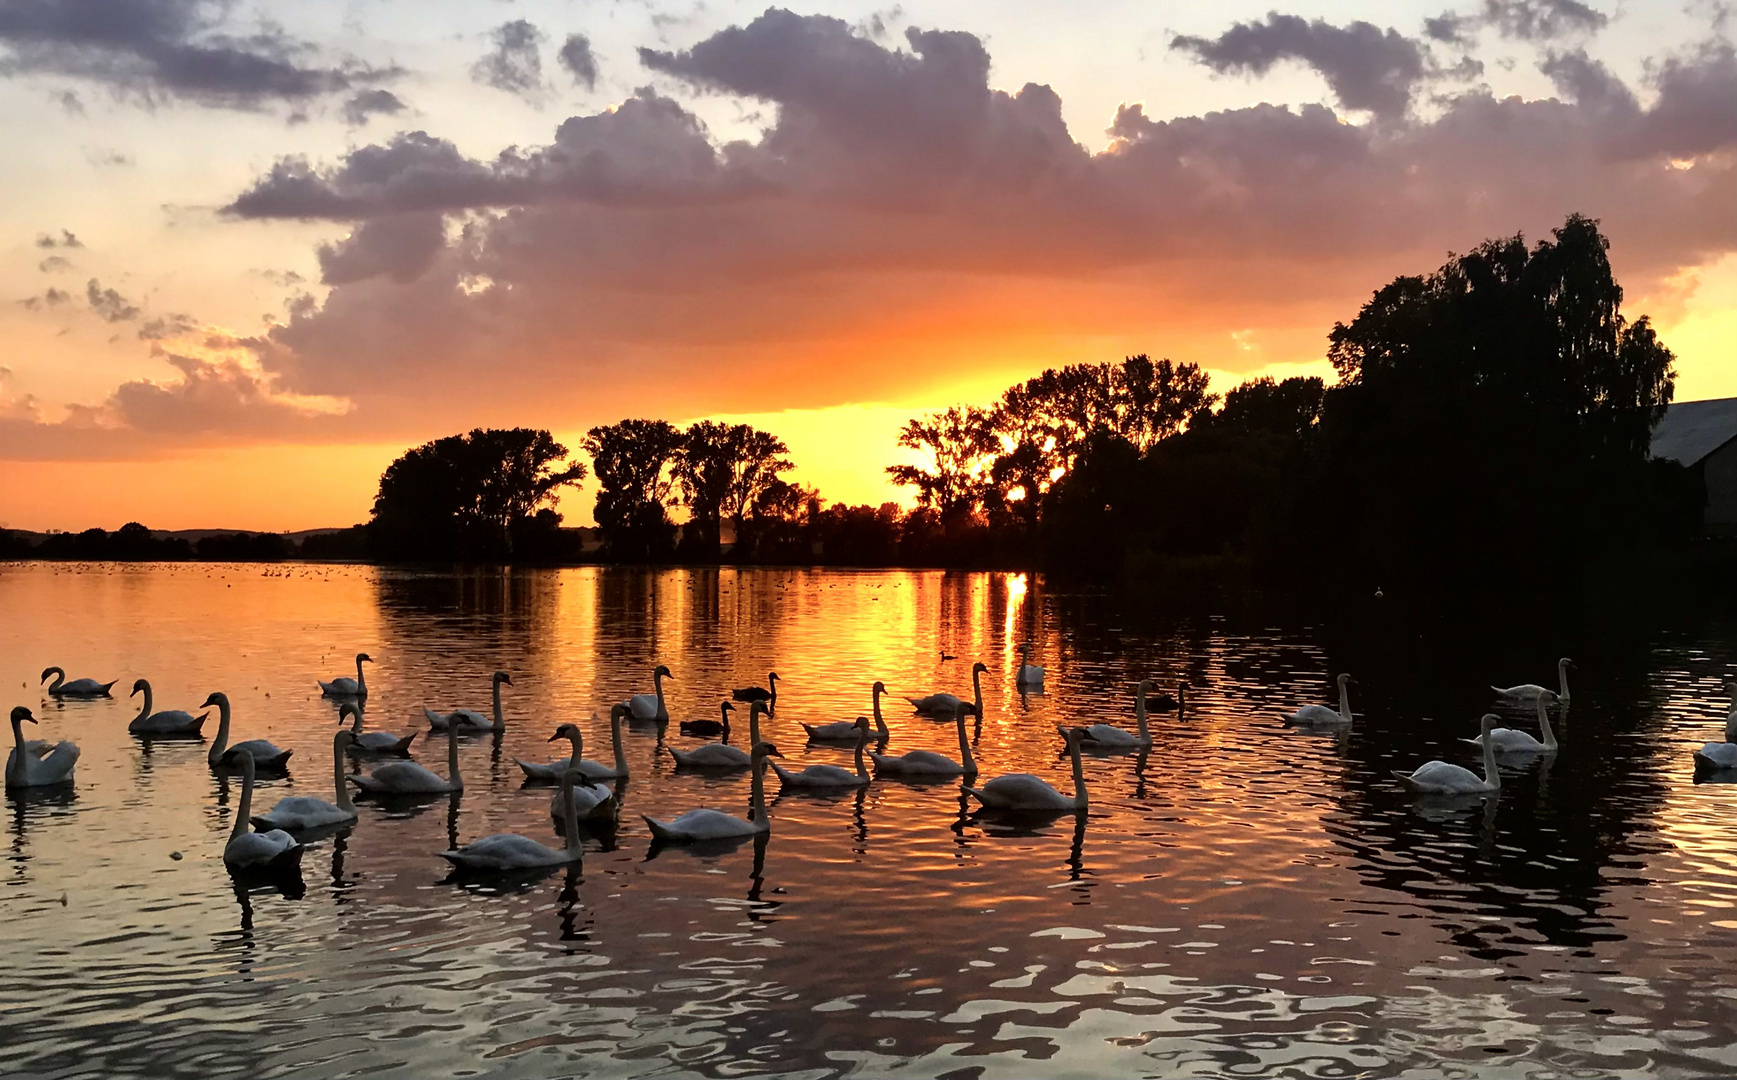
(1243, 900)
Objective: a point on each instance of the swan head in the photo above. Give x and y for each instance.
(1145, 687)
(772, 678)
(568, 731)
(345, 711)
(881, 687)
(765, 750)
(757, 708)
(862, 724)
(364, 658)
(235, 757)
(618, 712)
(503, 677)
(979, 666)
(21, 714)
(219, 699)
(1345, 678)
(661, 670)
(347, 738)
(1548, 696)
(1488, 723)
(1564, 662)
(140, 686)
(46, 672)
(727, 707)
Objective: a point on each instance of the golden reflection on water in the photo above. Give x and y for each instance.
(1240, 898)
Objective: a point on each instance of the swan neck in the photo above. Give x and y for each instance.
(880, 724)
(1492, 775)
(1079, 774)
(753, 728)
(1544, 724)
(245, 811)
(342, 798)
(861, 767)
(16, 765)
(570, 815)
(977, 690)
(1562, 680)
(757, 795)
(578, 754)
(145, 709)
(215, 754)
(1140, 715)
(361, 683)
(657, 685)
(59, 678)
(1345, 702)
(499, 721)
(615, 738)
(452, 758)
(965, 757)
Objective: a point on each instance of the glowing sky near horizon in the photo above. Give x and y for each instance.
(230, 304)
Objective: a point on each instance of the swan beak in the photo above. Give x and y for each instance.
(28, 716)
(555, 736)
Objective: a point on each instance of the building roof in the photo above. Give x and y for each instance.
(1690, 430)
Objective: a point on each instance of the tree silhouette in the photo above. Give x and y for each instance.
(634, 462)
(724, 470)
(957, 443)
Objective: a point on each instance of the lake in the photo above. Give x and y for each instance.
(1242, 900)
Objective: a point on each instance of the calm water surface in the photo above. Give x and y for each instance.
(1243, 900)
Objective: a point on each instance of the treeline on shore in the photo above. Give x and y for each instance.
(1488, 432)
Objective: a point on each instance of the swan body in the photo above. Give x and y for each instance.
(469, 720)
(1111, 737)
(266, 757)
(651, 706)
(409, 778)
(1320, 715)
(379, 743)
(27, 768)
(1163, 702)
(1716, 756)
(295, 813)
(706, 729)
(344, 686)
(927, 763)
(596, 770)
(169, 722)
(1028, 674)
(558, 768)
(1445, 778)
(767, 693)
(506, 852)
(1514, 741)
(1023, 791)
(1526, 693)
(846, 730)
(589, 799)
(941, 705)
(831, 776)
(719, 756)
(254, 850)
(75, 688)
(700, 825)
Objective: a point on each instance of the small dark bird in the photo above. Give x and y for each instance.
(705, 729)
(768, 693)
(1162, 702)
(946, 656)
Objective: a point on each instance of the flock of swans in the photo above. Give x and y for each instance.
(588, 789)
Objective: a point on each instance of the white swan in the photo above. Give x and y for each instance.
(1514, 741)
(25, 768)
(719, 756)
(76, 688)
(927, 763)
(1028, 674)
(409, 778)
(651, 706)
(255, 850)
(169, 722)
(831, 776)
(344, 686)
(1443, 778)
(555, 770)
(1320, 715)
(373, 742)
(295, 813)
(846, 730)
(1111, 737)
(1722, 755)
(1525, 692)
(715, 824)
(504, 852)
(596, 770)
(266, 757)
(1023, 791)
(942, 705)
(469, 720)
(589, 798)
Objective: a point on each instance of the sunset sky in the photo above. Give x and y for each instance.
(251, 251)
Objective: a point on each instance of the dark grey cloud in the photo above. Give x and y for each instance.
(163, 50)
(1542, 20)
(51, 298)
(578, 59)
(108, 303)
(168, 326)
(54, 264)
(400, 247)
(1450, 28)
(106, 158)
(1365, 66)
(371, 103)
(65, 240)
(1693, 113)
(515, 63)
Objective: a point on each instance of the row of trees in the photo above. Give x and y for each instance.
(134, 542)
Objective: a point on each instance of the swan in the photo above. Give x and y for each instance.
(767, 693)
(295, 813)
(1525, 692)
(942, 705)
(1511, 740)
(254, 850)
(596, 770)
(266, 757)
(705, 729)
(715, 824)
(344, 686)
(24, 768)
(409, 778)
(590, 798)
(1441, 778)
(651, 706)
(373, 742)
(1109, 736)
(1023, 791)
(719, 756)
(845, 730)
(470, 720)
(1320, 715)
(927, 763)
(558, 768)
(77, 687)
(1720, 755)
(1028, 674)
(831, 776)
(168, 722)
(1163, 702)
(503, 852)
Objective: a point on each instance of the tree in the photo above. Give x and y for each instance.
(634, 461)
(465, 496)
(957, 443)
(724, 470)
